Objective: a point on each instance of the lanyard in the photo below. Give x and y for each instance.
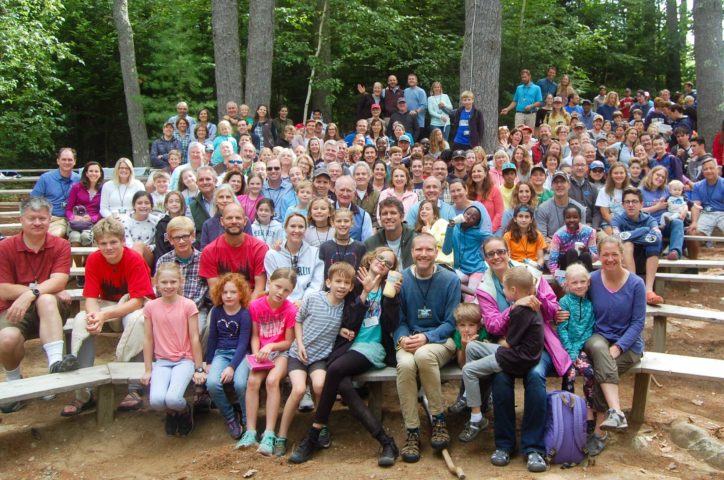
(425, 294)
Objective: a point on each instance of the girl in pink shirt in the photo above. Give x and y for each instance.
(272, 322)
(171, 325)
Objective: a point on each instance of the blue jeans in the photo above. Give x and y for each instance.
(445, 130)
(168, 383)
(675, 231)
(532, 429)
(221, 360)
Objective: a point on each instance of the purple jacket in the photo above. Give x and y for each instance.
(78, 195)
(496, 322)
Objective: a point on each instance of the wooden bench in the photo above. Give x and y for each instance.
(703, 238)
(662, 313)
(15, 191)
(671, 365)
(19, 180)
(10, 227)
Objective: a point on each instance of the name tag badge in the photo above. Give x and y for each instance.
(708, 209)
(64, 204)
(424, 313)
(371, 321)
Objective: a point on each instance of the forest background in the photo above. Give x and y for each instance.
(61, 81)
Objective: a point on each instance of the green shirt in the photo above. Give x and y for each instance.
(482, 335)
(544, 195)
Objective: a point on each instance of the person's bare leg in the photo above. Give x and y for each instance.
(652, 264)
(12, 348)
(51, 325)
(252, 398)
(273, 392)
(317, 379)
(629, 262)
(298, 379)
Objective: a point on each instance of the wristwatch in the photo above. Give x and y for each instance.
(199, 370)
(36, 292)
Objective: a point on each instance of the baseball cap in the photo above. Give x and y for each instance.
(375, 105)
(585, 101)
(319, 171)
(558, 100)
(509, 166)
(580, 125)
(458, 154)
(597, 164)
(538, 167)
(405, 138)
(401, 100)
(558, 175)
(525, 127)
(209, 147)
(597, 117)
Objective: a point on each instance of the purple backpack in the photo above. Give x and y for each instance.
(565, 433)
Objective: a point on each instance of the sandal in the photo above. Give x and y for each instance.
(131, 402)
(653, 299)
(75, 407)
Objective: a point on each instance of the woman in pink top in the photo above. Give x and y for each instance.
(171, 325)
(400, 188)
(482, 189)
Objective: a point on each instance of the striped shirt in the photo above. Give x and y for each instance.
(320, 322)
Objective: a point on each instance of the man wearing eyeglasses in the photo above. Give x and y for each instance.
(202, 203)
(345, 191)
(275, 188)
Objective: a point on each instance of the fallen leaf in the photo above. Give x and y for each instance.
(672, 466)
(250, 473)
(665, 449)
(698, 402)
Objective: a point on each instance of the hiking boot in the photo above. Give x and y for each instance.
(440, 437)
(68, 364)
(186, 421)
(171, 424)
(472, 429)
(596, 444)
(202, 402)
(306, 404)
(280, 447)
(459, 406)
(536, 464)
(389, 452)
(247, 440)
(615, 420)
(500, 458)
(234, 428)
(411, 449)
(305, 450)
(325, 438)
(266, 446)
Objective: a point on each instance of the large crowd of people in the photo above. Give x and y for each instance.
(260, 249)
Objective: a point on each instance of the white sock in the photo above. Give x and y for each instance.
(54, 351)
(13, 374)
(476, 417)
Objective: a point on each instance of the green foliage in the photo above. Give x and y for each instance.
(30, 54)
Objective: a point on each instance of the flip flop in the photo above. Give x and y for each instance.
(131, 403)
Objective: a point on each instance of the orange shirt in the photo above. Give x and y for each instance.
(523, 249)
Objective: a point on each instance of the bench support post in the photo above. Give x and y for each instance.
(659, 334)
(375, 399)
(106, 404)
(640, 395)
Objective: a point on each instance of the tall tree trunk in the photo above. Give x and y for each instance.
(260, 51)
(684, 26)
(320, 94)
(708, 51)
(480, 62)
(136, 122)
(317, 53)
(673, 47)
(227, 56)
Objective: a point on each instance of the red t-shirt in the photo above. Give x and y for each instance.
(625, 106)
(110, 282)
(218, 257)
(21, 266)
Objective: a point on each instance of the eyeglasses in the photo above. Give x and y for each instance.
(295, 263)
(384, 262)
(181, 238)
(496, 253)
(273, 169)
(235, 162)
(631, 202)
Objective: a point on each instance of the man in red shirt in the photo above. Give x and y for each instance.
(117, 284)
(34, 268)
(234, 251)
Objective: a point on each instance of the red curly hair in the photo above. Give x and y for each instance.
(241, 285)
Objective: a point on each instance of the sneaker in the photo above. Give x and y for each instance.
(615, 420)
(325, 438)
(472, 429)
(280, 447)
(653, 299)
(304, 451)
(459, 406)
(307, 404)
(266, 446)
(536, 464)
(247, 440)
(440, 437)
(68, 364)
(171, 424)
(186, 421)
(202, 402)
(411, 449)
(673, 256)
(13, 407)
(500, 458)
(234, 428)
(596, 444)
(80, 282)
(388, 454)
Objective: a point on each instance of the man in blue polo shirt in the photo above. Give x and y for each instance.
(708, 196)
(55, 187)
(526, 101)
(416, 103)
(548, 84)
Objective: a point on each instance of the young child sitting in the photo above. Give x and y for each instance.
(572, 243)
(318, 323)
(342, 248)
(676, 203)
(161, 181)
(171, 337)
(319, 229)
(576, 330)
(634, 172)
(305, 192)
(464, 239)
(519, 352)
(265, 228)
(468, 328)
(525, 242)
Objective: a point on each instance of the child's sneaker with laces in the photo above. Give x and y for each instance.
(266, 446)
(325, 438)
(615, 420)
(280, 447)
(247, 440)
(472, 429)
(234, 428)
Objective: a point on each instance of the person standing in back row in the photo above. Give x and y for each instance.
(526, 100)
(466, 124)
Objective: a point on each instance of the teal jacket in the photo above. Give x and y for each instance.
(579, 327)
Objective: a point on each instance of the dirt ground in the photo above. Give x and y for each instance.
(36, 443)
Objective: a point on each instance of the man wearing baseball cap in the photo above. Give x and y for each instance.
(458, 164)
(586, 116)
(549, 215)
(510, 174)
(583, 191)
(403, 116)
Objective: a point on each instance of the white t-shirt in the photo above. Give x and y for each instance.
(612, 202)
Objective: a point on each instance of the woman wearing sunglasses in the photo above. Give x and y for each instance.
(365, 342)
(495, 310)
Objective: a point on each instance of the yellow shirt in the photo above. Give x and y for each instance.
(506, 194)
(438, 230)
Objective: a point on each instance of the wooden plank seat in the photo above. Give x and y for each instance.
(10, 227)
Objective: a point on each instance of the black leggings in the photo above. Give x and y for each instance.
(572, 256)
(339, 379)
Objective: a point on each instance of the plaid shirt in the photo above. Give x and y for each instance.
(195, 287)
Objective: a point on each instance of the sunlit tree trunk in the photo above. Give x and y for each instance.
(673, 37)
(227, 57)
(260, 53)
(708, 51)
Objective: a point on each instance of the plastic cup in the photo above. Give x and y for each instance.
(393, 277)
(458, 219)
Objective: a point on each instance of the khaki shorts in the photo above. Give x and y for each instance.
(29, 325)
(58, 227)
(84, 238)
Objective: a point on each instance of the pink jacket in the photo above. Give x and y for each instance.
(496, 322)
